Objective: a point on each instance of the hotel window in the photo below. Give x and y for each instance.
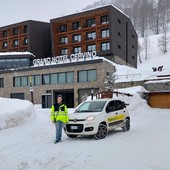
(25, 29)
(46, 79)
(77, 38)
(15, 43)
(133, 36)
(70, 77)
(20, 81)
(87, 76)
(17, 82)
(36, 80)
(4, 45)
(2, 64)
(119, 34)
(63, 40)
(15, 31)
(1, 82)
(91, 47)
(104, 19)
(64, 51)
(25, 41)
(91, 22)
(119, 21)
(91, 35)
(105, 33)
(24, 62)
(24, 81)
(54, 78)
(77, 50)
(63, 28)
(76, 25)
(92, 75)
(119, 46)
(133, 46)
(4, 33)
(61, 78)
(105, 46)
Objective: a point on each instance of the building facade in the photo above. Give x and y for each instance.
(74, 80)
(31, 36)
(105, 30)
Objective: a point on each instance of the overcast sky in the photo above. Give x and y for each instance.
(13, 11)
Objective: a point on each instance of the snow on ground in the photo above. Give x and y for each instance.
(14, 111)
(145, 147)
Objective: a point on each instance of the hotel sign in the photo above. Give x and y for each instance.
(65, 58)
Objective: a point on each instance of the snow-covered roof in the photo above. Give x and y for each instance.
(157, 81)
(94, 8)
(105, 6)
(16, 53)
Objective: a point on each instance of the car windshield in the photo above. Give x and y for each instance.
(91, 106)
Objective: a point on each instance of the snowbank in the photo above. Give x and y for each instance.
(135, 102)
(14, 111)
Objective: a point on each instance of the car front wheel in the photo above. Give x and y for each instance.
(102, 132)
(126, 126)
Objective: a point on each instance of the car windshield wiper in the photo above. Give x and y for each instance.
(86, 111)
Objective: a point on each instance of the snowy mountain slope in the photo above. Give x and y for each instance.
(144, 71)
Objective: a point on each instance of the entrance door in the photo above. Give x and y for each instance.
(84, 93)
(68, 97)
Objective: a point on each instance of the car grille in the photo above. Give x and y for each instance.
(76, 120)
(77, 128)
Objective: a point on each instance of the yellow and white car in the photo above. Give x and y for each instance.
(97, 117)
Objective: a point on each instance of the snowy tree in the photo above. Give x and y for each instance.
(146, 45)
(163, 41)
(139, 51)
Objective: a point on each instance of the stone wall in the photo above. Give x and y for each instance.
(151, 86)
(101, 66)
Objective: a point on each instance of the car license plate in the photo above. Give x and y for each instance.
(73, 127)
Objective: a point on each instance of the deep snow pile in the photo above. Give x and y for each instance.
(135, 101)
(14, 111)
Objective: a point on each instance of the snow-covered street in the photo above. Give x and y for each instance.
(144, 147)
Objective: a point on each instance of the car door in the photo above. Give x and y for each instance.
(114, 114)
(120, 112)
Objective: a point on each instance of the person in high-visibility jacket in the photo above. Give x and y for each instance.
(59, 116)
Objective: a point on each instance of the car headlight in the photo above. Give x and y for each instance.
(90, 118)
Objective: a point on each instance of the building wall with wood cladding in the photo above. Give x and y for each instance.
(31, 36)
(105, 30)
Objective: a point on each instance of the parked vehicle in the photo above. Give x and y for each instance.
(97, 117)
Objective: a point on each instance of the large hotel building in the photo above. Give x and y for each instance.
(65, 55)
(105, 30)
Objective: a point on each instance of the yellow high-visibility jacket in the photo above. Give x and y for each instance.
(59, 113)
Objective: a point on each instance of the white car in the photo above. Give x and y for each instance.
(97, 117)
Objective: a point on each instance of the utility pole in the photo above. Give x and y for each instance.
(92, 91)
(31, 89)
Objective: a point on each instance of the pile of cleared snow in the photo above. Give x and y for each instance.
(135, 102)
(14, 111)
